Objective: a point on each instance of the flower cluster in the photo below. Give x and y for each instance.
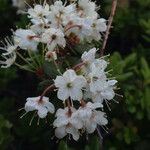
(90, 89)
(84, 88)
(55, 26)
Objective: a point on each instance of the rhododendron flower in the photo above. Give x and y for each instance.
(42, 106)
(70, 85)
(26, 39)
(66, 123)
(53, 37)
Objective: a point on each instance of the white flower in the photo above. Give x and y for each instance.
(38, 28)
(41, 106)
(98, 118)
(98, 26)
(90, 117)
(97, 78)
(51, 56)
(70, 85)
(9, 60)
(89, 56)
(26, 39)
(66, 123)
(86, 8)
(53, 37)
(86, 110)
(38, 12)
(106, 94)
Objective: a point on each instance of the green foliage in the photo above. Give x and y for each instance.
(129, 128)
(5, 136)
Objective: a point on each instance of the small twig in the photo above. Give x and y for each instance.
(51, 87)
(110, 20)
(73, 26)
(78, 65)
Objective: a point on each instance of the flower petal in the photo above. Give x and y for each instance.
(60, 132)
(63, 93)
(42, 112)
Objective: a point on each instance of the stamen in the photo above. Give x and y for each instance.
(119, 95)
(21, 109)
(104, 129)
(32, 119)
(23, 115)
(115, 101)
(38, 123)
(107, 103)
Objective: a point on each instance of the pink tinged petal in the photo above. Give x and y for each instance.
(74, 132)
(100, 118)
(50, 107)
(60, 132)
(42, 112)
(63, 94)
(61, 121)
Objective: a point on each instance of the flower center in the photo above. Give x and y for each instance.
(69, 85)
(95, 78)
(54, 37)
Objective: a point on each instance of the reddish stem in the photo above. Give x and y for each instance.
(51, 87)
(73, 26)
(78, 65)
(110, 20)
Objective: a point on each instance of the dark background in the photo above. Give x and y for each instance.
(129, 120)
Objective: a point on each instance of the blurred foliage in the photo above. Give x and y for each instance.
(129, 120)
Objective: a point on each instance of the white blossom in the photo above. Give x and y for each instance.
(90, 116)
(41, 106)
(97, 78)
(89, 56)
(86, 8)
(106, 94)
(98, 118)
(70, 85)
(53, 37)
(26, 39)
(66, 123)
(39, 12)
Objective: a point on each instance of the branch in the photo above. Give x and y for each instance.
(110, 20)
(51, 87)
